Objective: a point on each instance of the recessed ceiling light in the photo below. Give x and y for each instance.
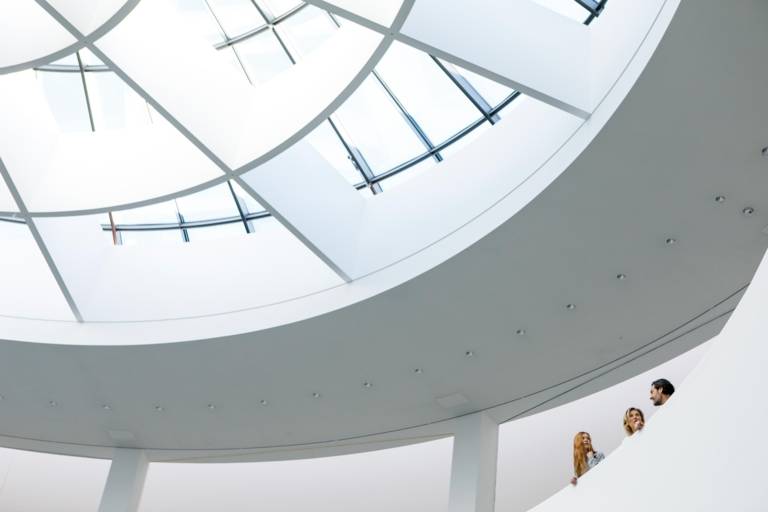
(211, 406)
(159, 408)
(520, 332)
(570, 306)
(53, 403)
(316, 395)
(469, 353)
(765, 151)
(748, 211)
(720, 199)
(263, 402)
(367, 384)
(621, 277)
(670, 241)
(106, 407)
(418, 370)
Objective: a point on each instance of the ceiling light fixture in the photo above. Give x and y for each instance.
(570, 306)
(367, 384)
(720, 199)
(53, 403)
(106, 407)
(418, 370)
(520, 332)
(316, 395)
(621, 277)
(263, 402)
(670, 241)
(159, 408)
(469, 353)
(748, 211)
(211, 406)
(765, 151)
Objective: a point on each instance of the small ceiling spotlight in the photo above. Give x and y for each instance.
(748, 211)
(520, 332)
(367, 384)
(720, 199)
(316, 395)
(263, 402)
(211, 407)
(106, 407)
(53, 403)
(621, 277)
(159, 408)
(670, 241)
(418, 370)
(469, 353)
(570, 306)
(764, 151)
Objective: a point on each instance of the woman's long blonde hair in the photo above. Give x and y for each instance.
(627, 427)
(580, 454)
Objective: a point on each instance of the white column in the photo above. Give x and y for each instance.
(125, 481)
(473, 471)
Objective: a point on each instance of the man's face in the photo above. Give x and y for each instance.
(656, 397)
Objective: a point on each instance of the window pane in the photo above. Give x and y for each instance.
(66, 98)
(236, 16)
(439, 107)
(212, 203)
(279, 7)
(113, 103)
(216, 232)
(493, 92)
(307, 29)
(196, 15)
(262, 56)
(377, 128)
(325, 140)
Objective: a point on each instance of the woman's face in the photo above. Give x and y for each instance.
(635, 420)
(586, 442)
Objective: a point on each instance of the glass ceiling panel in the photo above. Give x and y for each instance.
(212, 203)
(236, 16)
(308, 29)
(370, 117)
(66, 99)
(413, 105)
(262, 56)
(328, 144)
(435, 102)
(196, 15)
(114, 104)
(280, 7)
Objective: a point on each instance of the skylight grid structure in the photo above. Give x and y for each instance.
(282, 33)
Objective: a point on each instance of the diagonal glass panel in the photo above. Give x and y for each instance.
(308, 29)
(262, 56)
(378, 129)
(435, 102)
(236, 16)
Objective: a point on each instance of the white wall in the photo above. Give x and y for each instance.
(41, 482)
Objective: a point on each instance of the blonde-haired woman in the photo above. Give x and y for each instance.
(585, 457)
(634, 421)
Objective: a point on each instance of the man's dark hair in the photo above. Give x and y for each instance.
(664, 385)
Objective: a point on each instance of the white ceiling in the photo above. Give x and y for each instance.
(691, 129)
